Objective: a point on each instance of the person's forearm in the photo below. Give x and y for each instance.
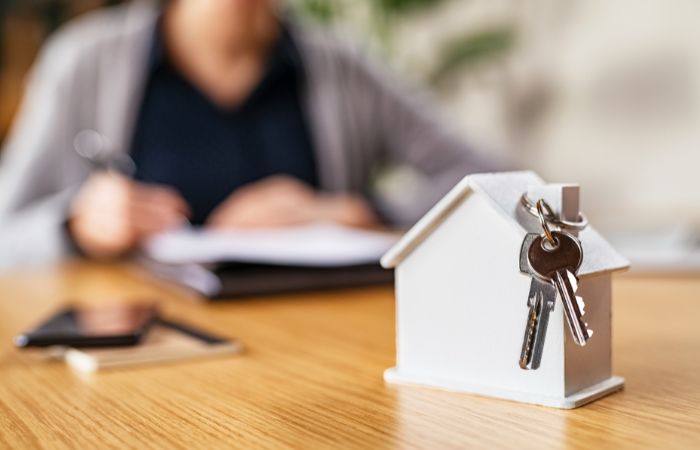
(36, 234)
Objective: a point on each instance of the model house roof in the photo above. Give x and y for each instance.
(503, 190)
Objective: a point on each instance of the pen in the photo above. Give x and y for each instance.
(96, 149)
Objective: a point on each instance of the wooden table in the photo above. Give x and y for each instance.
(311, 377)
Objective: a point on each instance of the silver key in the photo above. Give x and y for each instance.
(555, 264)
(540, 303)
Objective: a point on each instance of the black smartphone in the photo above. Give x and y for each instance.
(92, 326)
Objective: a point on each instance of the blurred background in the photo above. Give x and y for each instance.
(603, 93)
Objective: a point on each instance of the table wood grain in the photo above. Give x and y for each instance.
(311, 376)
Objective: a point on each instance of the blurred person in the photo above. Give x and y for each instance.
(234, 116)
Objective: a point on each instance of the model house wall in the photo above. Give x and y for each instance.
(462, 301)
(586, 366)
(458, 308)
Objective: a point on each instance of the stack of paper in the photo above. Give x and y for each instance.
(318, 245)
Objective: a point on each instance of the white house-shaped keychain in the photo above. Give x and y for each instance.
(462, 301)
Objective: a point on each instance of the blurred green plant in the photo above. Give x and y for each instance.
(472, 50)
(321, 10)
(327, 10)
(463, 53)
(397, 6)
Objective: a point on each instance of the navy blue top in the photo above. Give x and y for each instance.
(184, 140)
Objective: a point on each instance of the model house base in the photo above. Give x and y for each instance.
(580, 398)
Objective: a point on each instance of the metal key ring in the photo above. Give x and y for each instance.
(550, 217)
(541, 206)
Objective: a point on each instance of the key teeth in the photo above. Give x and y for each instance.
(581, 305)
(573, 279)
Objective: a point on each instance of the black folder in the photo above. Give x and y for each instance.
(233, 280)
(246, 280)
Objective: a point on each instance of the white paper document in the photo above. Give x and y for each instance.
(317, 245)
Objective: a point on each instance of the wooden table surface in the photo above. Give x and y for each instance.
(311, 377)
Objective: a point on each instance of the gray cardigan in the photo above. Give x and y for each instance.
(91, 75)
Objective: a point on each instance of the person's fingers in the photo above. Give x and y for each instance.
(146, 228)
(233, 218)
(166, 213)
(101, 238)
(274, 186)
(119, 197)
(125, 230)
(118, 189)
(272, 202)
(346, 209)
(111, 214)
(133, 215)
(260, 217)
(349, 210)
(240, 213)
(162, 196)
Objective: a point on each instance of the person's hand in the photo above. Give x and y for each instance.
(281, 201)
(112, 214)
